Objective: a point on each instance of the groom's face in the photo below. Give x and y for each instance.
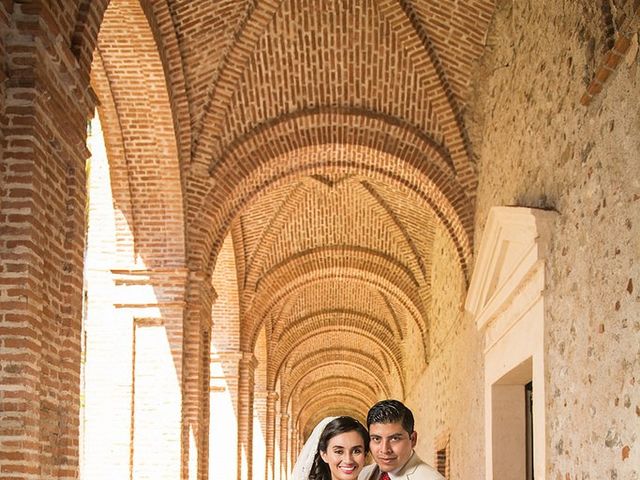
(391, 445)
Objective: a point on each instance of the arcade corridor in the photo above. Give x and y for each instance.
(222, 221)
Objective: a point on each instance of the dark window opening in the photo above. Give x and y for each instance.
(528, 392)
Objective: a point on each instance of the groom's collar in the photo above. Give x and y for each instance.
(400, 472)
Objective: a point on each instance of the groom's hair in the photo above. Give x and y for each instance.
(391, 411)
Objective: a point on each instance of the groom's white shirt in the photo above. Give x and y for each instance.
(414, 469)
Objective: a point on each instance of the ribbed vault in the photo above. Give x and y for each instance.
(333, 189)
(327, 139)
(281, 227)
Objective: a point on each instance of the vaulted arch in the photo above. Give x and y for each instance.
(268, 160)
(140, 137)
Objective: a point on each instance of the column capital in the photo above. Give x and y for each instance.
(248, 359)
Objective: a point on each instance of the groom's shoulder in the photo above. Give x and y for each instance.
(422, 470)
(366, 472)
(427, 472)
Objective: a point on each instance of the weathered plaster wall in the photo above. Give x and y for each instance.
(447, 399)
(541, 148)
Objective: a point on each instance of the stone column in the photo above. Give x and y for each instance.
(246, 381)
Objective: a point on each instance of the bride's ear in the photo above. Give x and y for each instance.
(323, 456)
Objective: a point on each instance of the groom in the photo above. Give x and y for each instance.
(392, 435)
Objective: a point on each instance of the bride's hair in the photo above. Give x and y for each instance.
(320, 470)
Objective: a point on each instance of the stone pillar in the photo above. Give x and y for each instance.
(272, 398)
(246, 380)
(284, 439)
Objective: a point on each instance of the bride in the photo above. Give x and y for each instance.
(336, 450)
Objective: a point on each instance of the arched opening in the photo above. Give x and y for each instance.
(134, 263)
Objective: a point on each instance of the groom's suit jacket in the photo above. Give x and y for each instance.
(415, 469)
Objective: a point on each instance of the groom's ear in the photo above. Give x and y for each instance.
(414, 438)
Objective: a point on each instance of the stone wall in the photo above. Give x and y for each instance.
(448, 399)
(540, 147)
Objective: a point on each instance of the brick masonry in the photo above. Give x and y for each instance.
(45, 104)
(293, 198)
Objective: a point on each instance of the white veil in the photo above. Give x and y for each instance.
(303, 465)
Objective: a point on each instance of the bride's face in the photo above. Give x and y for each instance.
(345, 456)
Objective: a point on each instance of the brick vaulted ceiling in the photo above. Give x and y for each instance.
(327, 137)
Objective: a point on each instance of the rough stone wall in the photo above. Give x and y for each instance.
(541, 148)
(448, 399)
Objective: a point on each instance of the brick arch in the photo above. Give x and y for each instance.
(369, 268)
(402, 19)
(325, 404)
(84, 40)
(336, 386)
(140, 137)
(359, 361)
(328, 141)
(295, 371)
(115, 147)
(161, 23)
(435, 81)
(295, 341)
(336, 382)
(256, 261)
(226, 77)
(345, 257)
(317, 323)
(409, 241)
(352, 316)
(334, 319)
(328, 124)
(285, 331)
